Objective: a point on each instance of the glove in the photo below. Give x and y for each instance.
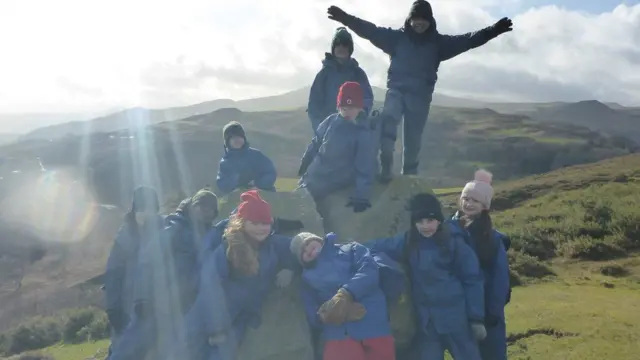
(283, 278)
(334, 311)
(479, 331)
(359, 205)
(217, 339)
(356, 312)
(118, 320)
(285, 226)
(337, 14)
(491, 320)
(502, 26)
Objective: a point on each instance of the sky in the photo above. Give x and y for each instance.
(95, 55)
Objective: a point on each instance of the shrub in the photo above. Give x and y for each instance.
(614, 270)
(524, 265)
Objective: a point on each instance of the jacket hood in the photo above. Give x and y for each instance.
(331, 61)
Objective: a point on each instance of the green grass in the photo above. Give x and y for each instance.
(79, 351)
(286, 184)
(447, 191)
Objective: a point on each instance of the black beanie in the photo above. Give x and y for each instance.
(342, 37)
(425, 206)
(145, 199)
(421, 9)
(232, 129)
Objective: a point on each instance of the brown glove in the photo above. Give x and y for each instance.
(335, 310)
(356, 312)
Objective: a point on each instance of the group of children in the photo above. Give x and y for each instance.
(181, 287)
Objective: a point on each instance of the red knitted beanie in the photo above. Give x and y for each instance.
(350, 94)
(254, 208)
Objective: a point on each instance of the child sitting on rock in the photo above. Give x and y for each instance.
(243, 166)
(341, 153)
(446, 284)
(490, 247)
(342, 297)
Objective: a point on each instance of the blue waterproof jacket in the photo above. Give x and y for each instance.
(415, 58)
(447, 286)
(352, 267)
(240, 167)
(324, 90)
(227, 298)
(123, 265)
(340, 155)
(495, 276)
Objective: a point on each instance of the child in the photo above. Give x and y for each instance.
(338, 67)
(447, 287)
(341, 153)
(243, 166)
(342, 297)
(235, 279)
(489, 245)
(416, 51)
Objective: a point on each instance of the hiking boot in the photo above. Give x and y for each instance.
(385, 175)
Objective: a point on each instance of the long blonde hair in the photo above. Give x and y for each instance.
(242, 252)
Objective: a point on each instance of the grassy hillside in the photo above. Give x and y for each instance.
(183, 155)
(575, 241)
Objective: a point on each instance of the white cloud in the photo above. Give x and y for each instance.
(79, 55)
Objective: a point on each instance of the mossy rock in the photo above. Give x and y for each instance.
(284, 333)
(387, 216)
(286, 205)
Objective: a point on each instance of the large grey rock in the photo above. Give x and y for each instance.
(387, 216)
(284, 333)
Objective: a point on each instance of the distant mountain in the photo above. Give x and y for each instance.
(25, 122)
(595, 115)
(137, 117)
(7, 138)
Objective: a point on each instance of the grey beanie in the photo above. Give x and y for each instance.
(300, 241)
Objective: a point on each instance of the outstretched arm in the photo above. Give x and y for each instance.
(314, 146)
(383, 38)
(451, 46)
(393, 247)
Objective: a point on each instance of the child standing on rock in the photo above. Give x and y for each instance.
(338, 67)
(342, 296)
(447, 289)
(416, 51)
(490, 247)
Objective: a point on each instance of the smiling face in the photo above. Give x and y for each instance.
(349, 112)
(311, 252)
(257, 231)
(470, 206)
(236, 142)
(427, 227)
(419, 25)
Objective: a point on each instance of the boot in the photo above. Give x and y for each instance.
(386, 164)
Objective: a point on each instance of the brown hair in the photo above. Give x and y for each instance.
(481, 230)
(242, 251)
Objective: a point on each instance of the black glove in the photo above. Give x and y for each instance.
(285, 226)
(337, 14)
(141, 310)
(118, 320)
(359, 205)
(501, 26)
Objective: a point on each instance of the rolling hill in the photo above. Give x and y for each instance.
(139, 117)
